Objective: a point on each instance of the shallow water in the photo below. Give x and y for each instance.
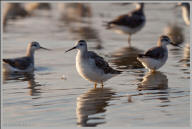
(55, 95)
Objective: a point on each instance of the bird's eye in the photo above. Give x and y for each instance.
(34, 45)
(165, 40)
(80, 44)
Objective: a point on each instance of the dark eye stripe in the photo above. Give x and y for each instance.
(34, 45)
(167, 40)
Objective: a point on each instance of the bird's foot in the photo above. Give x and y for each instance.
(102, 85)
(95, 85)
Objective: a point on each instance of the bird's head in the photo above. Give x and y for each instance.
(35, 46)
(139, 5)
(80, 45)
(165, 40)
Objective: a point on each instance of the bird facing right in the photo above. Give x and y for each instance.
(156, 57)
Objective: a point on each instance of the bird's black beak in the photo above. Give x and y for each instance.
(176, 45)
(71, 49)
(45, 48)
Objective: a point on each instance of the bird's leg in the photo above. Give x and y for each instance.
(129, 40)
(102, 85)
(95, 85)
(152, 70)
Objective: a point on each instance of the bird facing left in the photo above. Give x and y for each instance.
(91, 66)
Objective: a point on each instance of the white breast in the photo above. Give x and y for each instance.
(88, 70)
(153, 64)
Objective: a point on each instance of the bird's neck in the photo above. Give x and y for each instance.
(140, 7)
(160, 44)
(184, 9)
(164, 47)
(82, 54)
(185, 12)
(30, 52)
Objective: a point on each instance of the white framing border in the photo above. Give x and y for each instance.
(100, 1)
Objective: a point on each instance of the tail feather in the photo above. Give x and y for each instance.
(116, 71)
(119, 72)
(6, 60)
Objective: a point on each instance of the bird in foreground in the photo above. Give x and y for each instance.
(22, 64)
(91, 66)
(185, 12)
(129, 23)
(156, 57)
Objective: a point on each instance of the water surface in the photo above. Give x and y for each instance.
(55, 95)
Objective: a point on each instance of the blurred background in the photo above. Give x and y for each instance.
(55, 95)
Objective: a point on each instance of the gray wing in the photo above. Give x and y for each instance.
(155, 52)
(132, 20)
(19, 63)
(102, 64)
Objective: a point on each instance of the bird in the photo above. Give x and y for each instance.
(129, 23)
(22, 64)
(91, 66)
(185, 12)
(156, 57)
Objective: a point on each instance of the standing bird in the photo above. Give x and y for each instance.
(91, 66)
(129, 23)
(22, 64)
(185, 12)
(156, 57)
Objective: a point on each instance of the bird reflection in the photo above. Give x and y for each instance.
(126, 58)
(155, 81)
(33, 86)
(187, 51)
(91, 103)
(186, 55)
